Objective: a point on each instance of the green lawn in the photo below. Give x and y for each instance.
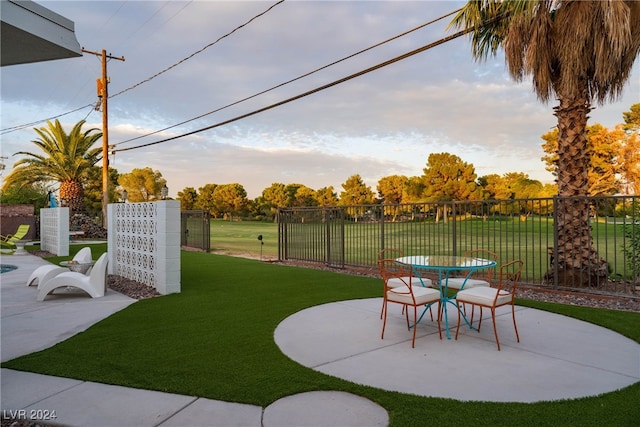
(508, 236)
(215, 340)
(242, 237)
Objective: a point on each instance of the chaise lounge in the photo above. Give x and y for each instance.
(47, 272)
(9, 241)
(94, 284)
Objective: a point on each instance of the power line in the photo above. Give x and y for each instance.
(26, 125)
(294, 79)
(198, 51)
(19, 127)
(312, 91)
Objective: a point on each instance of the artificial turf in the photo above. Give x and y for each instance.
(215, 340)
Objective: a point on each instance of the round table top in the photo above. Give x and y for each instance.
(446, 262)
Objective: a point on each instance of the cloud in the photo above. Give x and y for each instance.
(382, 123)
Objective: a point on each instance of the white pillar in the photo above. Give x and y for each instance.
(54, 230)
(144, 243)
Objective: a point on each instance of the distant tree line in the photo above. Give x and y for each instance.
(614, 169)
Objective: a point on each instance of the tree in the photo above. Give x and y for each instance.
(142, 185)
(32, 194)
(326, 196)
(206, 200)
(629, 156)
(392, 191)
(577, 52)
(188, 197)
(276, 195)
(632, 118)
(356, 192)
(93, 188)
(65, 158)
(447, 177)
(304, 196)
(414, 189)
(230, 199)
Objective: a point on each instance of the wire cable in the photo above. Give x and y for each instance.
(19, 127)
(197, 52)
(294, 79)
(26, 125)
(310, 92)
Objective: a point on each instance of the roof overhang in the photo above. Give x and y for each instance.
(32, 33)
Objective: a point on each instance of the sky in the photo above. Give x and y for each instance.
(181, 63)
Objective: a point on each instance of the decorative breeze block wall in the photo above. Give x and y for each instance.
(144, 243)
(54, 230)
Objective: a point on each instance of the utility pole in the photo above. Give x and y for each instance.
(103, 94)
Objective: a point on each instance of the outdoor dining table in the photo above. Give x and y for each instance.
(445, 265)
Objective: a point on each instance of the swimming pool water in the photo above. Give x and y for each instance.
(7, 267)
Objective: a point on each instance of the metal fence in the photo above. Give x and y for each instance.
(195, 231)
(351, 236)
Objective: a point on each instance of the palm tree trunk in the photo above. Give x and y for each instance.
(578, 260)
(72, 195)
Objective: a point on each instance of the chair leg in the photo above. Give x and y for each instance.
(439, 328)
(480, 321)
(513, 314)
(384, 322)
(406, 315)
(457, 327)
(495, 330)
(415, 326)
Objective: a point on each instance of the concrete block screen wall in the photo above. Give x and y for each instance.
(54, 230)
(144, 243)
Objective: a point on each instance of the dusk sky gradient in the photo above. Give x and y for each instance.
(383, 123)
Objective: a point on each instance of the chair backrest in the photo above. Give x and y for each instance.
(389, 253)
(509, 276)
(20, 233)
(83, 255)
(98, 276)
(485, 273)
(392, 269)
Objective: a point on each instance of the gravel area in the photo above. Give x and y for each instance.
(528, 292)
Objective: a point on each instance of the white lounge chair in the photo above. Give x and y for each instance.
(94, 284)
(46, 272)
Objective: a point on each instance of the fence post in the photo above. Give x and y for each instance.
(454, 228)
(327, 221)
(554, 265)
(382, 245)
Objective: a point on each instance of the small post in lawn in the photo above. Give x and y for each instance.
(261, 243)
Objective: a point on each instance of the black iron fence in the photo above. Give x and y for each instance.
(195, 231)
(351, 236)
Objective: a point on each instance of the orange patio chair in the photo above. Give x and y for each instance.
(408, 295)
(487, 297)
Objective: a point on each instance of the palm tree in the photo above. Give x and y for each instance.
(65, 159)
(577, 52)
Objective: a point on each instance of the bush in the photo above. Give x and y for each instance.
(632, 246)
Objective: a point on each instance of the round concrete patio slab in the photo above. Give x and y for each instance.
(557, 357)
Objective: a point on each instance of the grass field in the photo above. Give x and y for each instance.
(510, 237)
(242, 237)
